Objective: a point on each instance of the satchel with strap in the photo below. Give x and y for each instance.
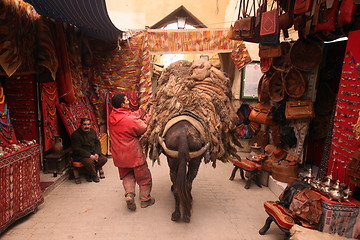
(306, 205)
(248, 27)
(261, 113)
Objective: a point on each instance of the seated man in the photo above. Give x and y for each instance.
(87, 150)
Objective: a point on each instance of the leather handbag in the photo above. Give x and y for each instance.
(290, 191)
(269, 51)
(347, 12)
(302, 6)
(269, 23)
(232, 34)
(270, 40)
(276, 88)
(263, 88)
(261, 113)
(248, 27)
(330, 17)
(244, 28)
(305, 55)
(294, 83)
(306, 205)
(263, 138)
(282, 63)
(299, 109)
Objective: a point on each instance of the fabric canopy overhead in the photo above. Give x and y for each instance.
(90, 16)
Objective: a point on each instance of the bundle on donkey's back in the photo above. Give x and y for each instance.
(192, 119)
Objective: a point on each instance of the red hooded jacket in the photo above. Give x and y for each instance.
(125, 128)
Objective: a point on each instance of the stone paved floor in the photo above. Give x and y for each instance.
(222, 210)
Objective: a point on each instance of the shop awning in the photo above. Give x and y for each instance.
(90, 16)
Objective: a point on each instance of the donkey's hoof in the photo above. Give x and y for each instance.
(175, 216)
(186, 219)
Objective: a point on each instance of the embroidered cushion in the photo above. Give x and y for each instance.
(280, 214)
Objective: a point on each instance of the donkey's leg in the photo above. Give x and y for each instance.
(173, 170)
(193, 168)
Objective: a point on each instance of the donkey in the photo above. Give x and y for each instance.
(184, 146)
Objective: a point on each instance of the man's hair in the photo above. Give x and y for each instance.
(118, 99)
(82, 120)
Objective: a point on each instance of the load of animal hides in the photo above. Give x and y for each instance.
(203, 90)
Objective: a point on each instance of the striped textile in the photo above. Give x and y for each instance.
(190, 41)
(90, 16)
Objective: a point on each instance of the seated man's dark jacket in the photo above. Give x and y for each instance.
(84, 144)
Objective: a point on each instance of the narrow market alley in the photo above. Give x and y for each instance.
(222, 209)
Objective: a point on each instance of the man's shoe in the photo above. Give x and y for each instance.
(89, 178)
(130, 201)
(96, 179)
(101, 173)
(147, 203)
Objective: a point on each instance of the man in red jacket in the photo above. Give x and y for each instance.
(126, 127)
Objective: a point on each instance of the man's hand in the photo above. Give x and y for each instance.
(94, 157)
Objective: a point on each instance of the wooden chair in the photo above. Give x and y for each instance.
(252, 168)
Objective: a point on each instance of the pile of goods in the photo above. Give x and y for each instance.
(203, 90)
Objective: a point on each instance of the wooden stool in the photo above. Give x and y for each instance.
(75, 166)
(251, 167)
(281, 216)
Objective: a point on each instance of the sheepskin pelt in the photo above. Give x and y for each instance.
(204, 90)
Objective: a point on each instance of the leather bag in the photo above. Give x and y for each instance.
(262, 138)
(305, 55)
(273, 40)
(294, 83)
(299, 109)
(290, 191)
(330, 17)
(269, 51)
(244, 28)
(269, 23)
(282, 63)
(276, 88)
(232, 34)
(248, 27)
(261, 113)
(347, 12)
(302, 6)
(263, 88)
(284, 170)
(306, 205)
